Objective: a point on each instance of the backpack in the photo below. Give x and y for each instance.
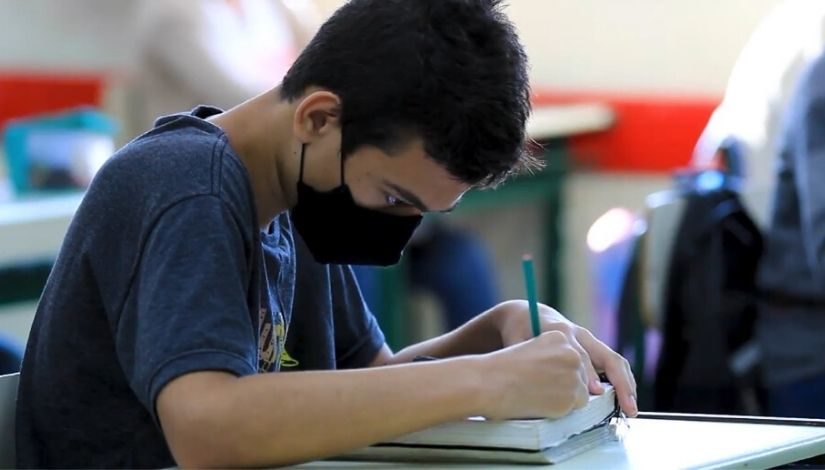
(708, 359)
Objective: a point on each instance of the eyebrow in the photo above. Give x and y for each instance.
(414, 200)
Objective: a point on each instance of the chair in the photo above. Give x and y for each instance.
(8, 400)
(629, 258)
(609, 242)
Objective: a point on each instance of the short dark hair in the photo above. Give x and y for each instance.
(449, 71)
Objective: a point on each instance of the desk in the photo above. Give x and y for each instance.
(33, 228)
(31, 232)
(561, 121)
(550, 126)
(678, 441)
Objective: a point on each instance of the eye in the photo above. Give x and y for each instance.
(393, 201)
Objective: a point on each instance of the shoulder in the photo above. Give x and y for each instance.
(173, 154)
(182, 157)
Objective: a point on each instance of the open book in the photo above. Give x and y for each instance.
(523, 440)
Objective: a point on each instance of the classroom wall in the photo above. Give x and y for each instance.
(63, 36)
(628, 45)
(632, 45)
(638, 47)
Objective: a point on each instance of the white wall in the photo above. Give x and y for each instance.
(632, 45)
(642, 45)
(85, 35)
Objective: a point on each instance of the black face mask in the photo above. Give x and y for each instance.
(337, 230)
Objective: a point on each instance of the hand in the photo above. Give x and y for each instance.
(512, 319)
(544, 377)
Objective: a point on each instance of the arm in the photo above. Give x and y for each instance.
(214, 419)
(507, 324)
(478, 336)
(277, 419)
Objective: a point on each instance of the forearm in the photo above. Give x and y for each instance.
(478, 336)
(283, 418)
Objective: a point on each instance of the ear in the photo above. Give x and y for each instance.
(316, 115)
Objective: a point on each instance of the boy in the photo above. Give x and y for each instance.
(215, 248)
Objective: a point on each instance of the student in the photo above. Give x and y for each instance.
(215, 248)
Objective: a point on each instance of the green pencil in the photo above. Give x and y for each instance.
(530, 284)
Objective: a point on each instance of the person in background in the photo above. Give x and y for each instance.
(791, 278)
(757, 93)
(449, 263)
(202, 311)
(769, 116)
(223, 52)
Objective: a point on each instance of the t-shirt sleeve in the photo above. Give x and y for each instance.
(358, 338)
(187, 309)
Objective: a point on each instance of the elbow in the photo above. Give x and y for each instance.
(197, 424)
(197, 440)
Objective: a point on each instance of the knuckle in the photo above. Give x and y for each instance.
(570, 356)
(618, 361)
(554, 337)
(560, 326)
(571, 381)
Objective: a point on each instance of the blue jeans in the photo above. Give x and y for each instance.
(452, 265)
(800, 399)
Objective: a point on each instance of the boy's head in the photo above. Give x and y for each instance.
(444, 79)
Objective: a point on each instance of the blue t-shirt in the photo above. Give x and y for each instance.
(163, 272)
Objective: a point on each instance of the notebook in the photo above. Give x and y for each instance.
(521, 441)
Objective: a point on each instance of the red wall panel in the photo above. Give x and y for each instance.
(652, 133)
(25, 94)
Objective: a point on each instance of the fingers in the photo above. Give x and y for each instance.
(619, 373)
(576, 356)
(595, 355)
(590, 377)
(617, 369)
(582, 396)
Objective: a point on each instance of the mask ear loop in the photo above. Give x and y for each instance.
(301, 171)
(341, 158)
(341, 155)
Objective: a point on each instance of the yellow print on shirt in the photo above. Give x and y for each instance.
(266, 342)
(285, 359)
(272, 343)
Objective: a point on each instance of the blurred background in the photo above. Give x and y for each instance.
(622, 93)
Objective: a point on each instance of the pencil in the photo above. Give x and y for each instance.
(530, 284)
